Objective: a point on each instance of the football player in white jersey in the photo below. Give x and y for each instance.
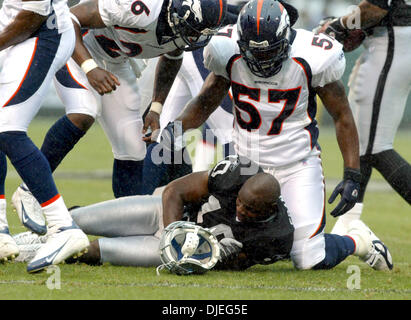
(380, 84)
(275, 73)
(38, 38)
(118, 31)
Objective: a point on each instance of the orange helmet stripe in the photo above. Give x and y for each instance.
(259, 7)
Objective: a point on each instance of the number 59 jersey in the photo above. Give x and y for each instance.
(274, 123)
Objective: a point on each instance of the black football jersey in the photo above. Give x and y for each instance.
(263, 242)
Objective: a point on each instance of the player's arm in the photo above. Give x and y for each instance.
(370, 14)
(24, 24)
(191, 188)
(167, 68)
(87, 15)
(335, 101)
(198, 109)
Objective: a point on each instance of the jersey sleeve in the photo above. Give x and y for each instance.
(128, 12)
(218, 52)
(333, 71)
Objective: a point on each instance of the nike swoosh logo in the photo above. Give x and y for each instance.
(51, 257)
(24, 215)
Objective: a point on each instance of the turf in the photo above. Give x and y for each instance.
(84, 178)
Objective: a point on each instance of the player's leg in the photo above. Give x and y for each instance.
(379, 86)
(126, 216)
(8, 247)
(122, 123)
(21, 99)
(81, 103)
(303, 190)
(128, 225)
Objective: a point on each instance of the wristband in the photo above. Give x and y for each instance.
(156, 107)
(88, 65)
(352, 174)
(174, 57)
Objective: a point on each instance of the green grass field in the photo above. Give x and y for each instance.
(84, 178)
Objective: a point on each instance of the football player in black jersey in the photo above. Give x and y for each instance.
(379, 87)
(236, 197)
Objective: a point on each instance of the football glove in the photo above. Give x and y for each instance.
(172, 136)
(348, 188)
(332, 26)
(229, 249)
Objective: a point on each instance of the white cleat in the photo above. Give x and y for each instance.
(62, 243)
(29, 210)
(8, 247)
(28, 252)
(369, 248)
(28, 237)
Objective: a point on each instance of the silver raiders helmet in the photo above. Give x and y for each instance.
(186, 248)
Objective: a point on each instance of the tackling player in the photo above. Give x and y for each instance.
(380, 84)
(38, 38)
(117, 31)
(275, 73)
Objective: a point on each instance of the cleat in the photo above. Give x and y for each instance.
(29, 210)
(369, 248)
(8, 247)
(28, 237)
(62, 243)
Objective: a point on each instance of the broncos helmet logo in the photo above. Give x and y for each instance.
(195, 8)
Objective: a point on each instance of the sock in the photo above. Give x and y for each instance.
(366, 170)
(30, 163)
(396, 170)
(3, 173)
(337, 248)
(59, 140)
(4, 226)
(127, 177)
(56, 213)
(341, 225)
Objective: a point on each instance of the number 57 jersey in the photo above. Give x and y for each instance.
(274, 123)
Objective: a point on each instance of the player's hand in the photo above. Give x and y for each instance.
(348, 189)
(172, 138)
(102, 81)
(332, 27)
(151, 121)
(229, 249)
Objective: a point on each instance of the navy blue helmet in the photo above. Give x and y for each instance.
(264, 31)
(196, 21)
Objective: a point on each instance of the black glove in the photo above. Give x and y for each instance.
(348, 188)
(337, 30)
(229, 249)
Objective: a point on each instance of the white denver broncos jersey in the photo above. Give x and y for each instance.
(61, 21)
(274, 121)
(131, 31)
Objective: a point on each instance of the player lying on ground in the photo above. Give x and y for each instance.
(236, 196)
(275, 73)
